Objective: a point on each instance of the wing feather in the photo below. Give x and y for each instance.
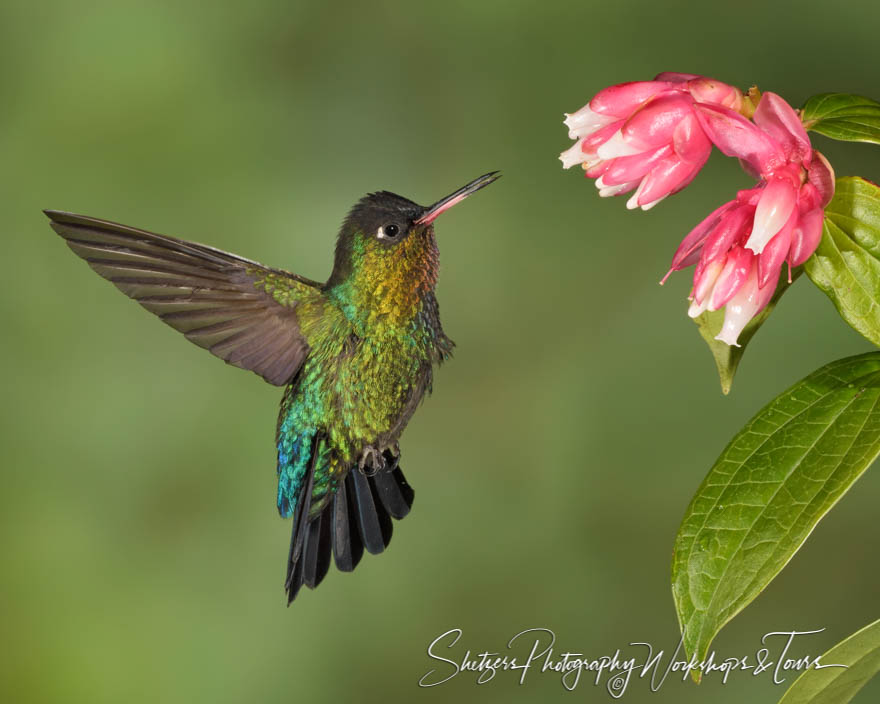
(218, 300)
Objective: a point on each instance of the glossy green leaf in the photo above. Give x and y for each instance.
(769, 488)
(846, 264)
(850, 118)
(836, 685)
(727, 357)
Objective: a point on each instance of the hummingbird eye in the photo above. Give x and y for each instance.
(388, 232)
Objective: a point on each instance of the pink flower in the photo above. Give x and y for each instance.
(727, 273)
(740, 248)
(646, 136)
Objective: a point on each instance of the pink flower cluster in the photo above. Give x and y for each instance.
(653, 137)
(645, 136)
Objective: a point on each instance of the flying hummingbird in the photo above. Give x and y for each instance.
(355, 355)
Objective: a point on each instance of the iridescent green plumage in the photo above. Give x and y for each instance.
(372, 347)
(355, 355)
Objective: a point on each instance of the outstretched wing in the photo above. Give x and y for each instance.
(239, 310)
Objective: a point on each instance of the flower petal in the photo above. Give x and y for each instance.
(735, 136)
(695, 309)
(704, 280)
(624, 98)
(771, 258)
(741, 308)
(617, 146)
(591, 143)
(689, 250)
(778, 119)
(598, 168)
(731, 230)
(690, 142)
(736, 270)
(821, 175)
(585, 121)
(573, 155)
(673, 77)
(668, 176)
(808, 198)
(806, 236)
(765, 292)
(606, 191)
(775, 207)
(750, 169)
(708, 90)
(653, 124)
(633, 168)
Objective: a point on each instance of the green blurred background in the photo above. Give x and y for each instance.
(141, 554)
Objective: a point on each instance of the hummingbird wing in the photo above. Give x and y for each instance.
(239, 310)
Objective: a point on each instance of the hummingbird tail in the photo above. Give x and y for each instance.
(357, 517)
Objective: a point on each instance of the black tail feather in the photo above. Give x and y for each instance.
(358, 517)
(373, 520)
(294, 579)
(316, 557)
(347, 546)
(394, 493)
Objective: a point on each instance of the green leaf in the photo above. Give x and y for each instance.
(846, 264)
(767, 491)
(727, 357)
(849, 118)
(835, 685)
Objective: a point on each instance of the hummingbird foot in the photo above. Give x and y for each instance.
(371, 461)
(392, 457)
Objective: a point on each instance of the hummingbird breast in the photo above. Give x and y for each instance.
(379, 387)
(361, 388)
(382, 377)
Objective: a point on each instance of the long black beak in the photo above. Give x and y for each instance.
(454, 198)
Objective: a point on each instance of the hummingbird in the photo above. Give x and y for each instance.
(354, 354)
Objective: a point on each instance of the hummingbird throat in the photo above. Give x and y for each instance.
(387, 286)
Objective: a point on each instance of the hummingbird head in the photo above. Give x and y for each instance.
(386, 254)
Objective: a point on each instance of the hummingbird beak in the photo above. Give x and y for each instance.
(446, 203)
